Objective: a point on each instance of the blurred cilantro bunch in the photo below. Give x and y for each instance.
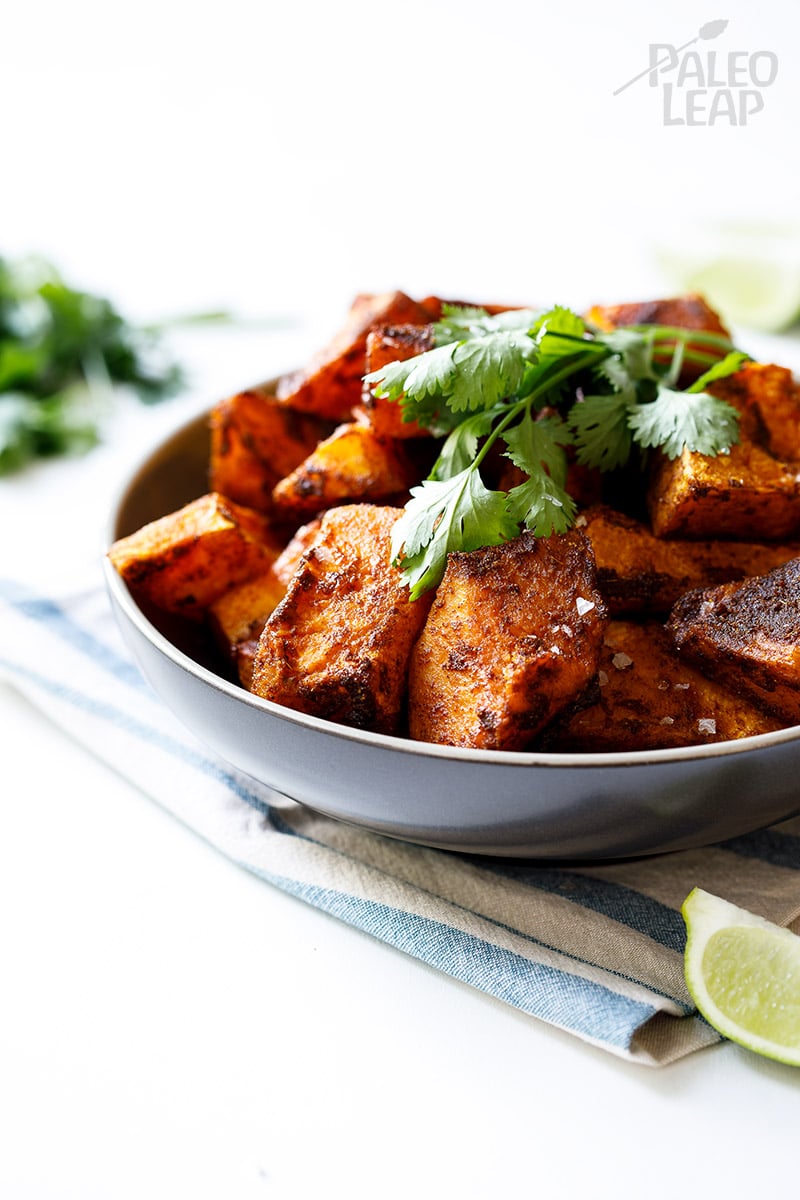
(62, 351)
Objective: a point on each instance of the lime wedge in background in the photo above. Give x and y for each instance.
(751, 275)
(744, 976)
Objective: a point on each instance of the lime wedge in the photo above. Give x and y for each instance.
(744, 976)
(751, 275)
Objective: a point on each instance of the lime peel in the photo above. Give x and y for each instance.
(743, 973)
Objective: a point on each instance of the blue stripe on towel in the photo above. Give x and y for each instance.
(769, 845)
(284, 827)
(571, 1001)
(657, 921)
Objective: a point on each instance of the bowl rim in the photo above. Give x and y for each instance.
(590, 760)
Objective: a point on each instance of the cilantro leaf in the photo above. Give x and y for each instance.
(461, 446)
(442, 516)
(542, 506)
(675, 421)
(462, 321)
(427, 374)
(542, 502)
(601, 431)
(488, 368)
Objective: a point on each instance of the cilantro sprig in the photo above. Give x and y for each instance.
(538, 383)
(61, 352)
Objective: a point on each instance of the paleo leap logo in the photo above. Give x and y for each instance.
(708, 88)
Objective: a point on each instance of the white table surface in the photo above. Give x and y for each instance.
(170, 1025)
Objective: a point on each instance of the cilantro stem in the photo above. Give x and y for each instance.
(550, 379)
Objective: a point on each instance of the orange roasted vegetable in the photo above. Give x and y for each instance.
(330, 385)
(354, 463)
(751, 493)
(650, 698)
(338, 645)
(255, 441)
(748, 636)
(513, 637)
(183, 562)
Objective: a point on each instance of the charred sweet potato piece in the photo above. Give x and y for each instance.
(650, 698)
(683, 312)
(749, 493)
(185, 561)
(331, 383)
(513, 636)
(638, 572)
(255, 442)
(392, 343)
(748, 636)
(352, 464)
(238, 618)
(338, 644)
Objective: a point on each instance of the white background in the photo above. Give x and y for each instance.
(170, 1026)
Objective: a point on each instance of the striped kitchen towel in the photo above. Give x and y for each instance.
(594, 949)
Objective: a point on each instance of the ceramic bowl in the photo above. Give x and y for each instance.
(531, 805)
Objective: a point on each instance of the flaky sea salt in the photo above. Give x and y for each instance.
(602, 678)
(706, 725)
(667, 721)
(583, 606)
(622, 661)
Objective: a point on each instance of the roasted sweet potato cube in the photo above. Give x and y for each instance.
(238, 617)
(185, 561)
(255, 441)
(768, 401)
(650, 698)
(682, 312)
(638, 572)
(338, 645)
(331, 383)
(513, 636)
(748, 636)
(749, 493)
(354, 463)
(392, 343)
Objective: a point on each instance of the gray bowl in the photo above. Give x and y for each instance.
(544, 806)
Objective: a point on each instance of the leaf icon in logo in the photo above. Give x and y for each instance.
(712, 29)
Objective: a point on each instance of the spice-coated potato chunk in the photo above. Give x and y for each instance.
(331, 383)
(650, 698)
(354, 463)
(513, 636)
(255, 441)
(338, 645)
(185, 561)
(748, 636)
(639, 572)
(753, 492)
(238, 617)
(393, 343)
